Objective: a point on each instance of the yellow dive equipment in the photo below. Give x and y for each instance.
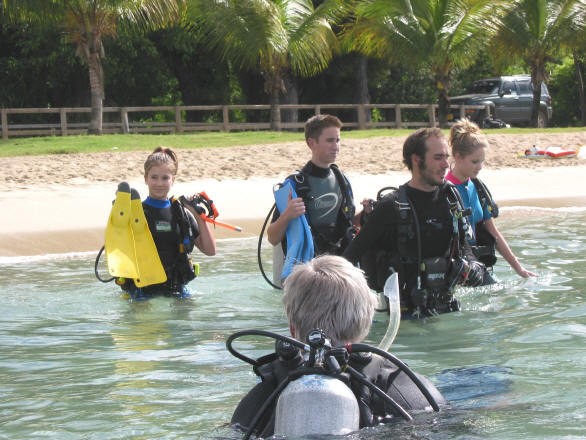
(130, 249)
(150, 269)
(119, 243)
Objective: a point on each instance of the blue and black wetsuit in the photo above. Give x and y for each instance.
(170, 227)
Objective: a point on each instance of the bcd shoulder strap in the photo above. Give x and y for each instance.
(485, 197)
(186, 233)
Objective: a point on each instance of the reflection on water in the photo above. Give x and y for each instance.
(78, 361)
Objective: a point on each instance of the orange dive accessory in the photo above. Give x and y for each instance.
(207, 210)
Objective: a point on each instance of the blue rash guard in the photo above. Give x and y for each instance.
(471, 200)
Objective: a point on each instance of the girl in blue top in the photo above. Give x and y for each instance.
(468, 150)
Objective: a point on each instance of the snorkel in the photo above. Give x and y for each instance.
(207, 210)
(391, 292)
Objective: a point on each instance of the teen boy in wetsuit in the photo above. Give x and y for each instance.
(417, 231)
(324, 193)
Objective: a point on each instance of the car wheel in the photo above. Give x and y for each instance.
(541, 119)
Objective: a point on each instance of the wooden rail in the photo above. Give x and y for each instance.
(126, 124)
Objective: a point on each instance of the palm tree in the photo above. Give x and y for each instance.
(276, 37)
(441, 35)
(539, 32)
(87, 22)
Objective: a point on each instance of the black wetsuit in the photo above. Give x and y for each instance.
(329, 207)
(167, 234)
(373, 410)
(380, 239)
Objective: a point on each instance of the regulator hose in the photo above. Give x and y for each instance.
(96, 268)
(258, 249)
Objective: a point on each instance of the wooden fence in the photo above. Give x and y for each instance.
(119, 120)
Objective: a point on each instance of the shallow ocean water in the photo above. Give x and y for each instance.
(79, 361)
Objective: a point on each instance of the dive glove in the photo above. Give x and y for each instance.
(475, 273)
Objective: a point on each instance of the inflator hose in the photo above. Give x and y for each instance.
(358, 348)
(251, 361)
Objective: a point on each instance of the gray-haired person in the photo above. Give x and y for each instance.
(330, 294)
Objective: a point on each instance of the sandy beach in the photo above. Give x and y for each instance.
(60, 203)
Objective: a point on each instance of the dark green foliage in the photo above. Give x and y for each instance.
(563, 87)
(38, 69)
(200, 76)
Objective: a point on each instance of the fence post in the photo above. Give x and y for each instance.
(488, 111)
(124, 120)
(318, 109)
(226, 118)
(361, 117)
(398, 122)
(462, 111)
(4, 123)
(432, 115)
(178, 121)
(63, 120)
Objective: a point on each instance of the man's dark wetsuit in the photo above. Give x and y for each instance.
(373, 410)
(168, 232)
(329, 207)
(379, 239)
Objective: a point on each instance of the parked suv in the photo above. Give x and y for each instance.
(510, 99)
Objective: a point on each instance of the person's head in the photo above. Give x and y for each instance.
(160, 169)
(468, 148)
(425, 152)
(322, 134)
(331, 294)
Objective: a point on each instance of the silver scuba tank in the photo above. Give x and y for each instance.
(316, 404)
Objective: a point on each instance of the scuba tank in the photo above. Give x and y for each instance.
(310, 387)
(316, 404)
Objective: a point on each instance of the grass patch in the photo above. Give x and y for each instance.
(36, 146)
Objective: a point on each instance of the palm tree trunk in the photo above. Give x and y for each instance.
(537, 76)
(580, 80)
(290, 97)
(361, 95)
(443, 87)
(535, 106)
(275, 110)
(97, 93)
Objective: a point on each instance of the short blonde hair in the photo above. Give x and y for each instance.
(466, 137)
(160, 156)
(331, 294)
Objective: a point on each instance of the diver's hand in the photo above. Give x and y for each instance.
(475, 273)
(191, 202)
(521, 271)
(295, 207)
(367, 205)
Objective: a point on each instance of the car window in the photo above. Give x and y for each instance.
(508, 87)
(484, 86)
(544, 91)
(524, 87)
